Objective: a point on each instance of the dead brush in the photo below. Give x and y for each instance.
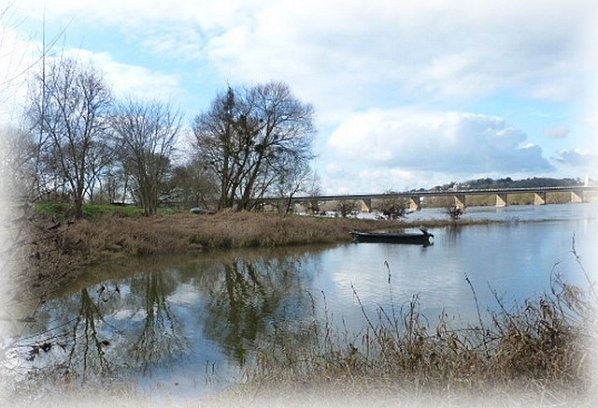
(540, 347)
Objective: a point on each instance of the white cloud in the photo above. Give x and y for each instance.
(356, 56)
(123, 79)
(17, 56)
(174, 42)
(436, 141)
(131, 80)
(341, 54)
(443, 50)
(558, 90)
(375, 180)
(556, 132)
(404, 149)
(575, 158)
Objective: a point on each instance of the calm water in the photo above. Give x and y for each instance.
(187, 326)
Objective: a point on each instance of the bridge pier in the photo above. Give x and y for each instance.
(539, 198)
(577, 197)
(415, 203)
(502, 200)
(366, 205)
(414, 198)
(460, 201)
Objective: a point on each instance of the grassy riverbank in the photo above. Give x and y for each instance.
(58, 248)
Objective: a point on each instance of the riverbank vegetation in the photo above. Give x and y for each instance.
(57, 248)
(538, 353)
(54, 248)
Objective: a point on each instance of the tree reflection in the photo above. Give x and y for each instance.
(161, 338)
(87, 350)
(75, 347)
(252, 301)
(82, 336)
(122, 328)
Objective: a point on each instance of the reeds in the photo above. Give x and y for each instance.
(539, 349)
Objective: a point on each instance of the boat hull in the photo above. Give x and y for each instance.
(393, 238)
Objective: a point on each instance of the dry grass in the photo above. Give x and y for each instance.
(182, 233)
(539, 351)
(53, 252)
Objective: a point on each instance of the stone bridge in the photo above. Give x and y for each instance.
(459, 197)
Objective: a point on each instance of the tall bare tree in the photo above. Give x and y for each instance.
(250, 137)
(145, 134)
(71, 110)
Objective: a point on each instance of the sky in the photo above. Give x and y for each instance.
(407, 94)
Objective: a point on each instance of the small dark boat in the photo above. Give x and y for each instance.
(419, 238)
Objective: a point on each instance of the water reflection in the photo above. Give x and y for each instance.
(70, 340)
(161, 339)
(251, 298)
(192, 324)
(202, 315)
(87, 345)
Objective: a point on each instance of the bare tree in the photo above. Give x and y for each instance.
(192, 186)
(293, 178)
(393, 207)
(145, 133)
(346, 207)
(17, 153)
(250, 137)
(314, 189)
(162, 336)
(71, 109)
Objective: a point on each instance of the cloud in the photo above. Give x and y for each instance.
(456, 142)
(174, 42)
(558, 90)
(341, 54)
(23, 58)
(556, 132)
(347, 56)
(131, 80)
(575, 158)
(402, 149)
(440, 51)
(17, 56)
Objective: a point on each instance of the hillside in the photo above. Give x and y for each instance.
(485, 183)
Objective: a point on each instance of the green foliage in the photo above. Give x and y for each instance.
(56, 210)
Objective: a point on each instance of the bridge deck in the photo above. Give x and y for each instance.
(427, 193)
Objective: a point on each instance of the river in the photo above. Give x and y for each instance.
(188, 326)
